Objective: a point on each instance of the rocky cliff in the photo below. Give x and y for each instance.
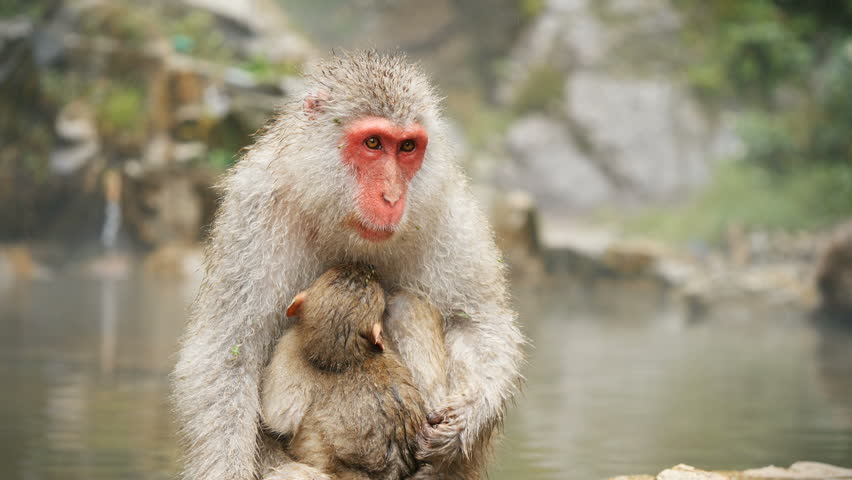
(603, 115)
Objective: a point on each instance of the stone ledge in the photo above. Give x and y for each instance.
(797, 471)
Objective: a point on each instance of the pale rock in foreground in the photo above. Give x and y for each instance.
(797, 471)
(801, 470)
(687, 472)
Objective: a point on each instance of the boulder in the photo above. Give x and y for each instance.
(175, 211)
(687, 472)
(17, 263)
(798, 471)
(175, 260)
(834, 273)
(515, 220)
(546, 162)
(75, 126)
(801, 471)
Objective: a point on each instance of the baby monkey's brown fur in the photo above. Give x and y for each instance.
(337, 390)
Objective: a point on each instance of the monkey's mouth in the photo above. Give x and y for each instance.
(370, 233)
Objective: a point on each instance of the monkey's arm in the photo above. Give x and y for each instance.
(216, 396)
(251, 274)
(484, 344)
(217, 399)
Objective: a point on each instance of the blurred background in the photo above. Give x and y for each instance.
(669, 181)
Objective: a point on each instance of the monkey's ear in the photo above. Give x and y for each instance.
(314, 103)
(295, 307)
(376, 336)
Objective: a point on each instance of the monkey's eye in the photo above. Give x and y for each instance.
(407, 146)
(373, 143)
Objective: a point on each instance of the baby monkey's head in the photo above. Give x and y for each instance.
(340, 316)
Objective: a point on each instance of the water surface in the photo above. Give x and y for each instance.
(616, 383)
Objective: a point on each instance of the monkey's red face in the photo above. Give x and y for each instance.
(385, 157)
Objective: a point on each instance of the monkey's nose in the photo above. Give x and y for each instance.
(390, 198)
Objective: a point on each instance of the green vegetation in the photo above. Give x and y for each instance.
(221, 159)
(117, 93)
(59, 88)
(35, 143)
(189, 31)
(122, 109)
(132, 25)
(266, 71)
(195, 33)
(531, 8)
(14, 8)
(749, 195)
(480, 120)
(542, 90)
(787, 65)
(119, 103)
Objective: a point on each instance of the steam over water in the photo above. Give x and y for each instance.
(614, 386)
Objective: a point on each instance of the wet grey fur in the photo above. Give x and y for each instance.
(280, 226)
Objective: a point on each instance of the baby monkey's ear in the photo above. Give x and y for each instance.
(295, 307)
(376, 336)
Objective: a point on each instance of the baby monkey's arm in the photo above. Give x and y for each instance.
(287, 390)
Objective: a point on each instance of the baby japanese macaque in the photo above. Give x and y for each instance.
(336, 390)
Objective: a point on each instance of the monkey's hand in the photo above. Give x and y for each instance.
(439, 441)
(295, 471)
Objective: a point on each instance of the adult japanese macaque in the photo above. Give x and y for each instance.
(357, 170)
